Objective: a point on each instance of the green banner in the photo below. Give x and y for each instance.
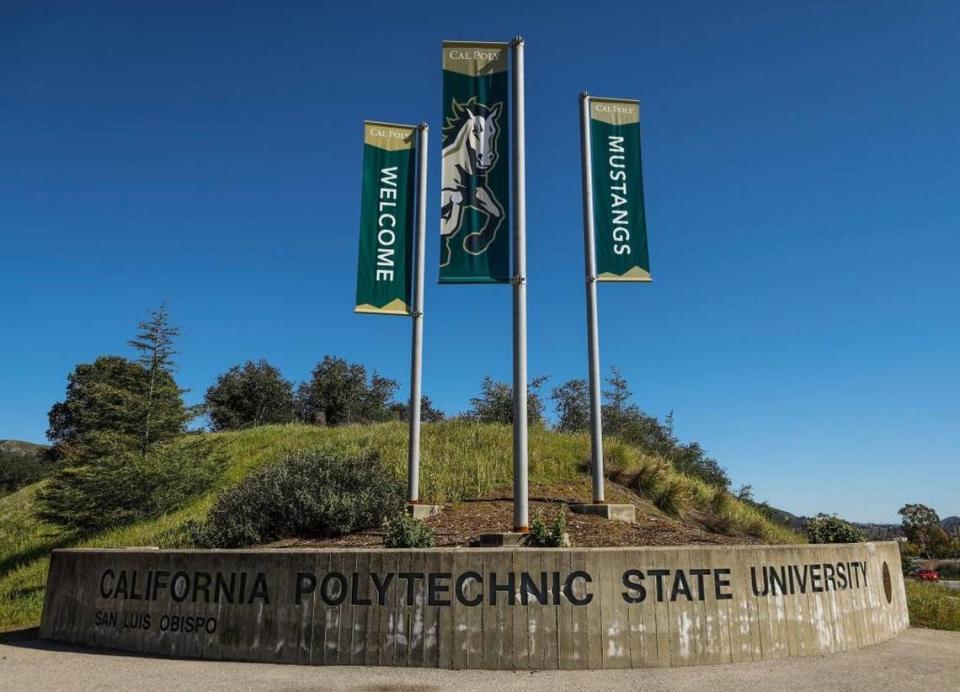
(620, 226)
(385, 264)
(475, 189)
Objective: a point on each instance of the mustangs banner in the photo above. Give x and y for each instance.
(619, 221)
(474, 206)
(387, 203)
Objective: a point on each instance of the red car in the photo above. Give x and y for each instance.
(927, 575)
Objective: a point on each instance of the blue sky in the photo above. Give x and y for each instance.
(801, 170)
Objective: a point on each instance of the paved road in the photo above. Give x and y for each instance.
(918, 659)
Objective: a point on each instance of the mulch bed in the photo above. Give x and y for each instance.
(461, 524)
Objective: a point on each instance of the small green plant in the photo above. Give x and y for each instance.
(553, 536)
(402, 530)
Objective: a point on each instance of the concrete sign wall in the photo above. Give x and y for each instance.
(480, 608)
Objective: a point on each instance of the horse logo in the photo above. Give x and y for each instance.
(469, 154)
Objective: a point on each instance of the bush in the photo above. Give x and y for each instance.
(404, 531)
(124, 486)
(554, 536)
(829, 528)
(306, 494)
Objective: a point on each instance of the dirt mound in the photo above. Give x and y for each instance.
(461, 524)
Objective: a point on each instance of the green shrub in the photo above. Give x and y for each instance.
(673, 497)
(650, 476)
(618, 459)
(308, 494)
(554, 536)
(124, 486)
(829, 528)
(404, 531)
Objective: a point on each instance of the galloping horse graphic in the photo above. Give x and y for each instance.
(469, 154)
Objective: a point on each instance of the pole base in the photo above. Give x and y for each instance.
(418, 511)
(627, 513)
(510, 539)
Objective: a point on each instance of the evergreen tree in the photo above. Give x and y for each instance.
(154, 344)
(106, 405)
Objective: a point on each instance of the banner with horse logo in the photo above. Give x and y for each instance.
(620, 226)
(385, 264)
(475, 189)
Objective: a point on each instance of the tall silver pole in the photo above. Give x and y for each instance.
(593, 333)
(416, 356)
(520, 479)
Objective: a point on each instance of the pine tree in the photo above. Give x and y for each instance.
(154, 342)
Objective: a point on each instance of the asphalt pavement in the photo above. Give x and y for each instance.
(917, 659)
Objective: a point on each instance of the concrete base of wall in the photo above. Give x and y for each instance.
(497, 608)
(627, 513)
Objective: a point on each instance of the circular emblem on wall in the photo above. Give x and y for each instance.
(887, 586)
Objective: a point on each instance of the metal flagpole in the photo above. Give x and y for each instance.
(520, 480)
(416, 356)
(593, 333)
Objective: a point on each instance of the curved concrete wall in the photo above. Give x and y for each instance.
(480, 608)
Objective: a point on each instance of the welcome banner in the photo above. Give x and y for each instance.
(385, 264)
(475, 189)
(619, 221)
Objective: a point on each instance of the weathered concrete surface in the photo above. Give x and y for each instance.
(419, 511)
(915, 660)
(473, 608)
(627, 513)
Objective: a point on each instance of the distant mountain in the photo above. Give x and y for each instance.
(22, 463)
(950, 525)
(785, 517)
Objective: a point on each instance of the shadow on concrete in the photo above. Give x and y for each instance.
(29, 638)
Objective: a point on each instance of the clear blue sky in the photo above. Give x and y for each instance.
(802, 165)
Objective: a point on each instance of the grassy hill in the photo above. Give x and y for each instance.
(460, 460)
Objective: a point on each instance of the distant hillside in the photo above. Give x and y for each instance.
(20, 448)
(950, 524)
(22, 463)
